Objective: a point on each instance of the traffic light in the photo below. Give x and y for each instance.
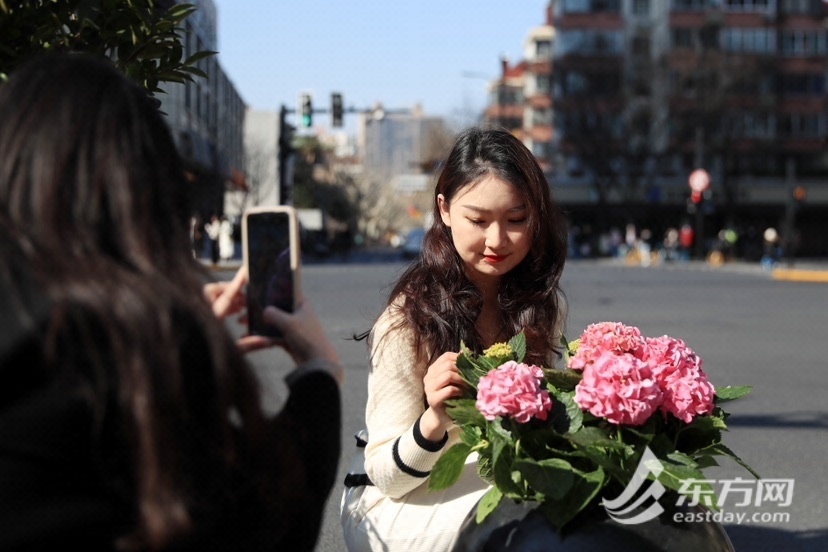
(799, 193)
(336, 109)
(306, 110)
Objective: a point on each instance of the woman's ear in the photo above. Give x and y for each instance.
(444, 209)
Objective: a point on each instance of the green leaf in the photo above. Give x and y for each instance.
(584, 489)
(551, 477)
(687, 482)
(449, 467)
(518, 345)
(731, 393)
(565, 380)
(181, 11)
(464, 412)
(488, 503)
(502, 457)
(470, 367)
(573, 411)
(706, 461)
(589, 436)
(721, 449)
(674, 475)
(198, 56)
(681, 458)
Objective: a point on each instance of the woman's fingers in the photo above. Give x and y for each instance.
(250, 343)
(227, 297)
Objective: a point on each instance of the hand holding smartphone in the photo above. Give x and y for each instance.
(270, 239)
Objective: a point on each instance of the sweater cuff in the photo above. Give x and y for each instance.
(431, 446)
(308, 368)
(416, 455)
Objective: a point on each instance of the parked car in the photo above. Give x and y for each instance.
(413, 243)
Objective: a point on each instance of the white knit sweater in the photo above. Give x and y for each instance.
(397, 458)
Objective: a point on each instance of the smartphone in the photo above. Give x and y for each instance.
(270, 240)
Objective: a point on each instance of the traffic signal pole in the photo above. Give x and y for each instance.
(306, 110)
(286, 155)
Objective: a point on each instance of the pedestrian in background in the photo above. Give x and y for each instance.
(490, 268)
(225, 240)
(213, 230)
(129, 419)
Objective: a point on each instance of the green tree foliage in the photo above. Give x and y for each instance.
(143, 37)
(310, 192)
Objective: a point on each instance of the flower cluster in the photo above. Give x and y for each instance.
(513, 389)
(563, 437)
(626, 377)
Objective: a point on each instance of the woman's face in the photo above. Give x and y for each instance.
(489, 228)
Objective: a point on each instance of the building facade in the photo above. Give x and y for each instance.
(394, 143)
(643, 92)
(206, 117)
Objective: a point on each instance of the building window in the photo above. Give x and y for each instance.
(587, 42)
(796, 6)
(641, 46)
(542, 150)
(802, 125)
(506, 95)
(804, 43)
(682, 38)
(746, 5)
(752, 125)
(757, 41)
(801, 84)
(542, 85)
(641, 7)
(574, 166)
(693, 5)
(575, 83)
(541, 117)
(576, 6)
(590, 6)
(543, 49)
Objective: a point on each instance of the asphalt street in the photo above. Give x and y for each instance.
(749, 328)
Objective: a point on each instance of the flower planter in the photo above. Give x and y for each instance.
(521, 527)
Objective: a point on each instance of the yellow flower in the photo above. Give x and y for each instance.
(572, 347)
(499, 350)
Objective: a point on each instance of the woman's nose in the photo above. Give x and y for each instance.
(495, 236)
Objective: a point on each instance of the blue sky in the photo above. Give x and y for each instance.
(435, 53)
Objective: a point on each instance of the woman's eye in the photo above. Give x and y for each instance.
(477, 222)
(517, 221)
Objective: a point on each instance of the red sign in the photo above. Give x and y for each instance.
(699, 181)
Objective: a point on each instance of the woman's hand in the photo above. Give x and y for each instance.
(229, 298)
(303, 336)
(441, 382)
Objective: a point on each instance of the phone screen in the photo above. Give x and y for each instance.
(270, 275)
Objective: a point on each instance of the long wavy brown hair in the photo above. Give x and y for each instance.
(93, 201)
(437, 299)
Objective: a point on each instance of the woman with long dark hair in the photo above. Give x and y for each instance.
(490, 267)
(129, 419)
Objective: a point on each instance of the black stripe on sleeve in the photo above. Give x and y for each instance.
(425, 444)
(403, 466)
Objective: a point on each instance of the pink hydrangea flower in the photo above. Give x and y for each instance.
(513, 389)
(678, 370)
(619, 387)
(604, 337)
